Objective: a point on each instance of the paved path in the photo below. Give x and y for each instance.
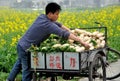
(114, 66)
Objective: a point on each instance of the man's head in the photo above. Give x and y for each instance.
(52, 11)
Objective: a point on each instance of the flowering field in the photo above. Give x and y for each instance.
(14, 23)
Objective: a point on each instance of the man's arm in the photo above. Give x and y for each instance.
(65, 28)
(74, 37)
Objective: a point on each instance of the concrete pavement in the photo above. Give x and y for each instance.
(114, 68)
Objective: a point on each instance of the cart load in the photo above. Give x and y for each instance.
(95, 39)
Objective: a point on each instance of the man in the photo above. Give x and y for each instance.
(39, 31)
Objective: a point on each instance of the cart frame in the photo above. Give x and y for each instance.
(86, 62)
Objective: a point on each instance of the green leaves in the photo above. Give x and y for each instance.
(93, 42)
(53, 44)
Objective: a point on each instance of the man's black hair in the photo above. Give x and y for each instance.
(52, 7)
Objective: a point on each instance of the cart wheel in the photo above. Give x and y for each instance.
(40, 77)
(34, 76)
(112, 66)
(53, 78)
(66, 76)
(97, 70)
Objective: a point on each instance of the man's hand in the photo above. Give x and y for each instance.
(75, 38)
(85, 45)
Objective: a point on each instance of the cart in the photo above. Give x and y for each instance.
(91, 64)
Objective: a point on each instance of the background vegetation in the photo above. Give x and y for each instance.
(14, 23)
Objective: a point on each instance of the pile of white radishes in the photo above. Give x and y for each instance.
(95, 40)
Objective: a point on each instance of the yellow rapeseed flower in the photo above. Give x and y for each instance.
(14, 40)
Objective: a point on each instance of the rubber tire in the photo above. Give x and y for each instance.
(93, 65)
(34, 76)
